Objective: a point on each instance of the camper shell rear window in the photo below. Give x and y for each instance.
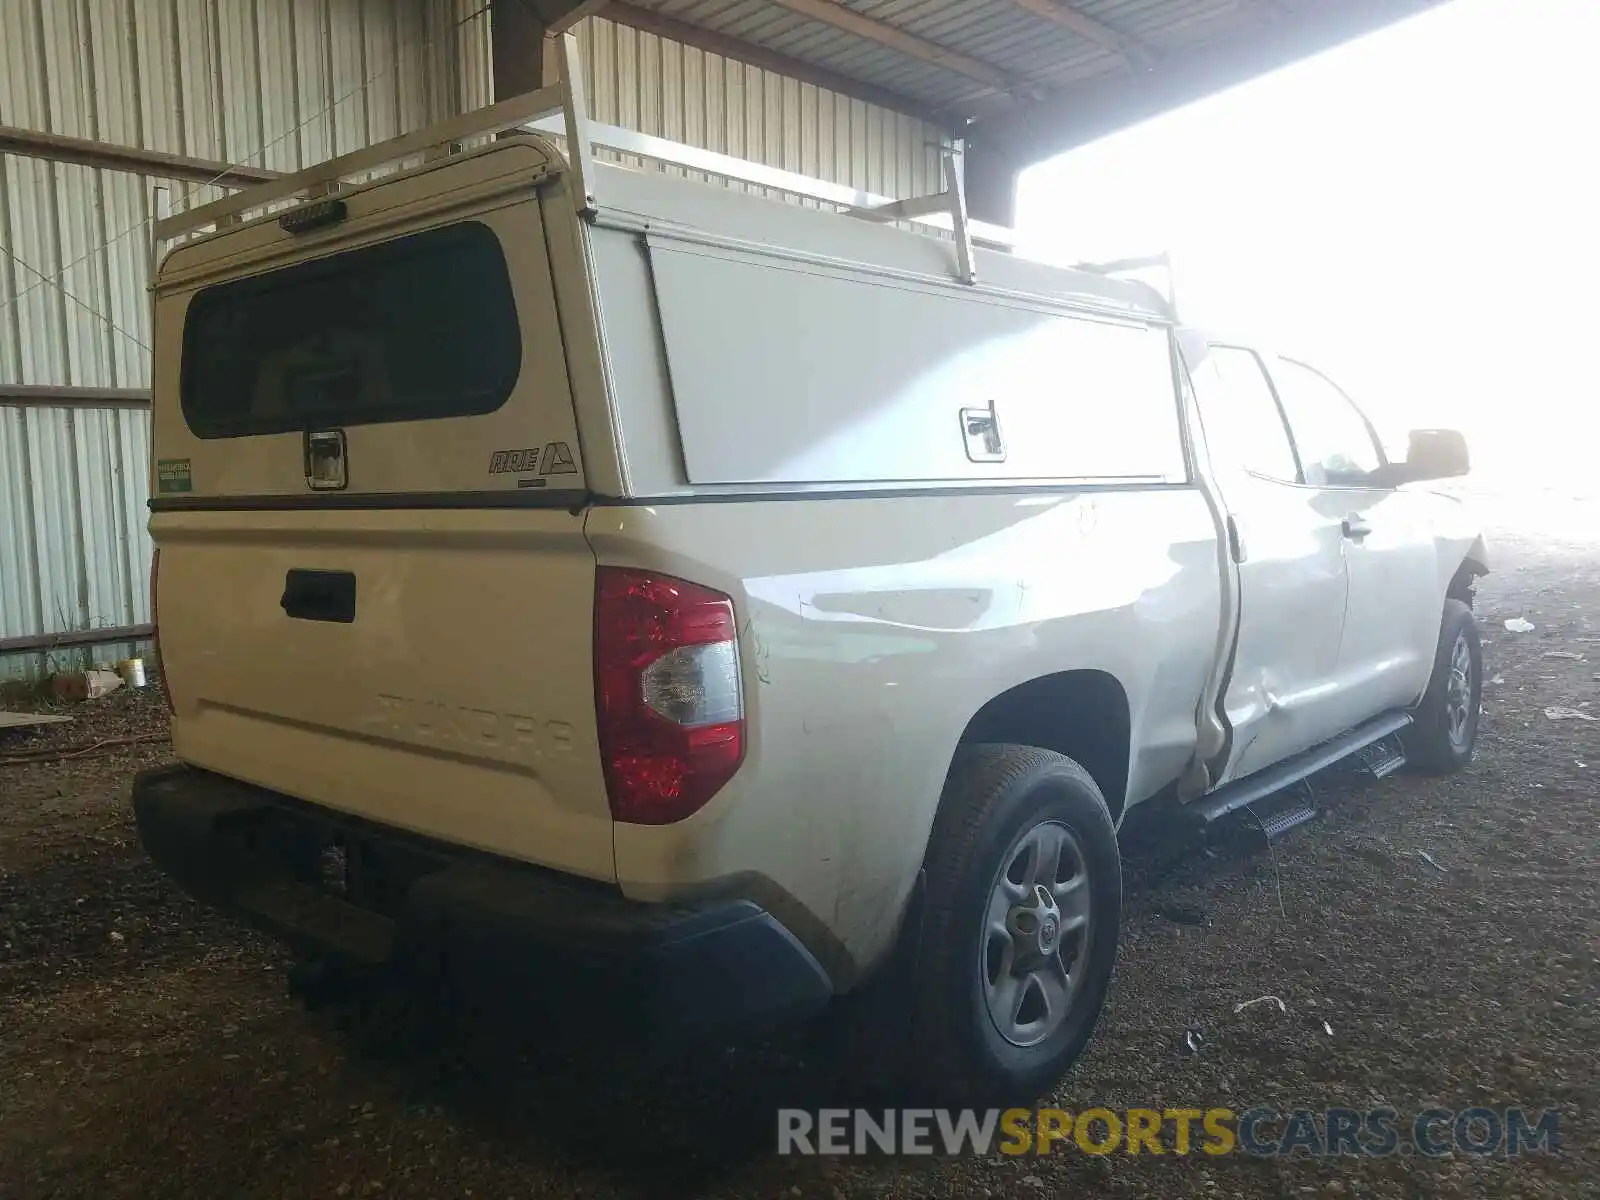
(423, 327)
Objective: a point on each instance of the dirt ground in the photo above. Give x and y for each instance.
(148, 1048)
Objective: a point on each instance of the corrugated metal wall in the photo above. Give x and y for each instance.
(661, 87)
(280, 84)
(644, 82)
(73, 548)
(274, 83)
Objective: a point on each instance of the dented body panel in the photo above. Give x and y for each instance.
(861, 679)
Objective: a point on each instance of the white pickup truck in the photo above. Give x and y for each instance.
(721, 602)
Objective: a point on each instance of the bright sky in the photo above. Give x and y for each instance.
(1418, 213)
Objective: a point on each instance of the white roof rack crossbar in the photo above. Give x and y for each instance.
(1121, 266)
(1140, 262)
(933, 210)
(559, 110)
(507, 114)
(946, 209)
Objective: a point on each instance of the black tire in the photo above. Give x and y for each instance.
(1435, 743)
(995, 799)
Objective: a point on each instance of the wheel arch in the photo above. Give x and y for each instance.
(1083, 714)
(1474, 564)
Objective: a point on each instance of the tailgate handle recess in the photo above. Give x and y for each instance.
(320, 595)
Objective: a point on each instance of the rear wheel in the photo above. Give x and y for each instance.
(1019, 935)
(1444, 726)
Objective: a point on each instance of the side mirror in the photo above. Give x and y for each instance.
(1431, 454)
(1437, 454)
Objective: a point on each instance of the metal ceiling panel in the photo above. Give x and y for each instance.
(1038, 53)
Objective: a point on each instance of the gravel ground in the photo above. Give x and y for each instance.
(148, 1048)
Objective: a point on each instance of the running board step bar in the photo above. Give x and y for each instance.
(1231, 797)
(1381, 759)
(1285, 819)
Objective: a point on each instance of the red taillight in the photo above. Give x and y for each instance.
(668, 693)
(155, 621)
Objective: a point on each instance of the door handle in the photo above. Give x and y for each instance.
(1355, 527)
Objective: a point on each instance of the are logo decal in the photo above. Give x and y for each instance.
(558, 460)
(534, 463)
(514, 462)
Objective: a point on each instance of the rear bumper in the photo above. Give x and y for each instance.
(326, 884)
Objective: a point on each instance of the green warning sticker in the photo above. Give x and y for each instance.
(172, 475)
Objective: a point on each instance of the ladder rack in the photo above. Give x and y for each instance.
(560, 110)
(1143, 262)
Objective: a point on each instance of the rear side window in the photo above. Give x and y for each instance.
(1337, 448)
(423, 327)
(1243, 425)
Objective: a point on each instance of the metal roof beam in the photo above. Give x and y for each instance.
(106, 156)
(523, 39)
(648, 20)
(830, 12)
(1095, 30)
(554, 17)
(33, 395)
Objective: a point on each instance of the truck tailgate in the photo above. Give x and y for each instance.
(454, 698)
(373, 589)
